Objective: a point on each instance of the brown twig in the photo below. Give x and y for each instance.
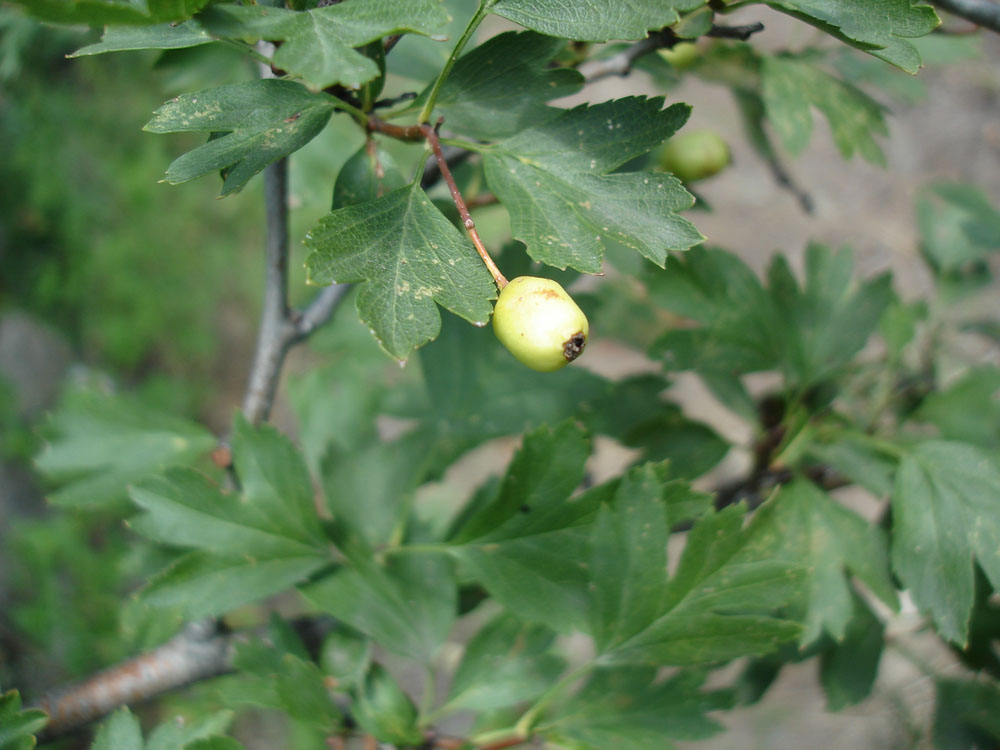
(428, 133)
(197, 653)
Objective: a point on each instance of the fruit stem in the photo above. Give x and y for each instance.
(415, 133)
(463, 210)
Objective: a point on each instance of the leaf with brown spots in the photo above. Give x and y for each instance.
(253, 124)
(564, 205)
(408, 257)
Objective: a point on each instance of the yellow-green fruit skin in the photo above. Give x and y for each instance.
(695, 156)
(682, 55)
(539, 323)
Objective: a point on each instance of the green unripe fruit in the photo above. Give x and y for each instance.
(682, 55)
(539, 323)
(695, 156)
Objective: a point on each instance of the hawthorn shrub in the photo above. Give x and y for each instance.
(314, 578)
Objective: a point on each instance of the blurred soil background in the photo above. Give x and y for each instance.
(108, 278)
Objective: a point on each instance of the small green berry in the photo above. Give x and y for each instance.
(695, 156)
(539, 323)
(682, 55)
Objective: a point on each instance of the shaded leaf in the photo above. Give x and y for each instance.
(830, 541)
(790, 87)
(967, 410)
(848, 669)
(205, 584)
(161, 36)
(554, 181)
(501, 86)
(17, 726)
(944, 514)
(965, 715)
(881, 28)
(119, 732)
(506, 663)
(626, 707)
(100, 12)
(177, 733)
(319, 44)
(809, 332)
(383, 710)
(406, 606)
(717, 605)
(260, 122)
(104, 444)
(411, 257)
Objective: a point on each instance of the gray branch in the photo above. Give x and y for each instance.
(621, 64)
(197, 653)
(985, 13)
(276, 331)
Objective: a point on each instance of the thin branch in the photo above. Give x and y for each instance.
(985, 13)
(197, 653)
(276, 332)
(785, 180)
(621, 64)
(319, 311)
(735, 32)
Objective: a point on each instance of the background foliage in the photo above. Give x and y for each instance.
(480, 590)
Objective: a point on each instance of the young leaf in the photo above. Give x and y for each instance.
(526, 546)
(206, 584)
(593, 20)
(625, 707)
(161, 36)
(718, 605)
(345, 656)
(276, 486)
(367, 175)
(506, 663)
(176, 734)
(543, 473)
(554, 181)
(382, 709)
(879, 27)
(185, 509)
(958, 227)
(790, 87)
(17, 727)
(968, 410)
(262, 121)
(502, 85)
(319, 44)
(966, 714)
(411, 256)
(628, 560)
(944, 514)
(120, 732)
(826, 538)
(104, 444)
(407, 606)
